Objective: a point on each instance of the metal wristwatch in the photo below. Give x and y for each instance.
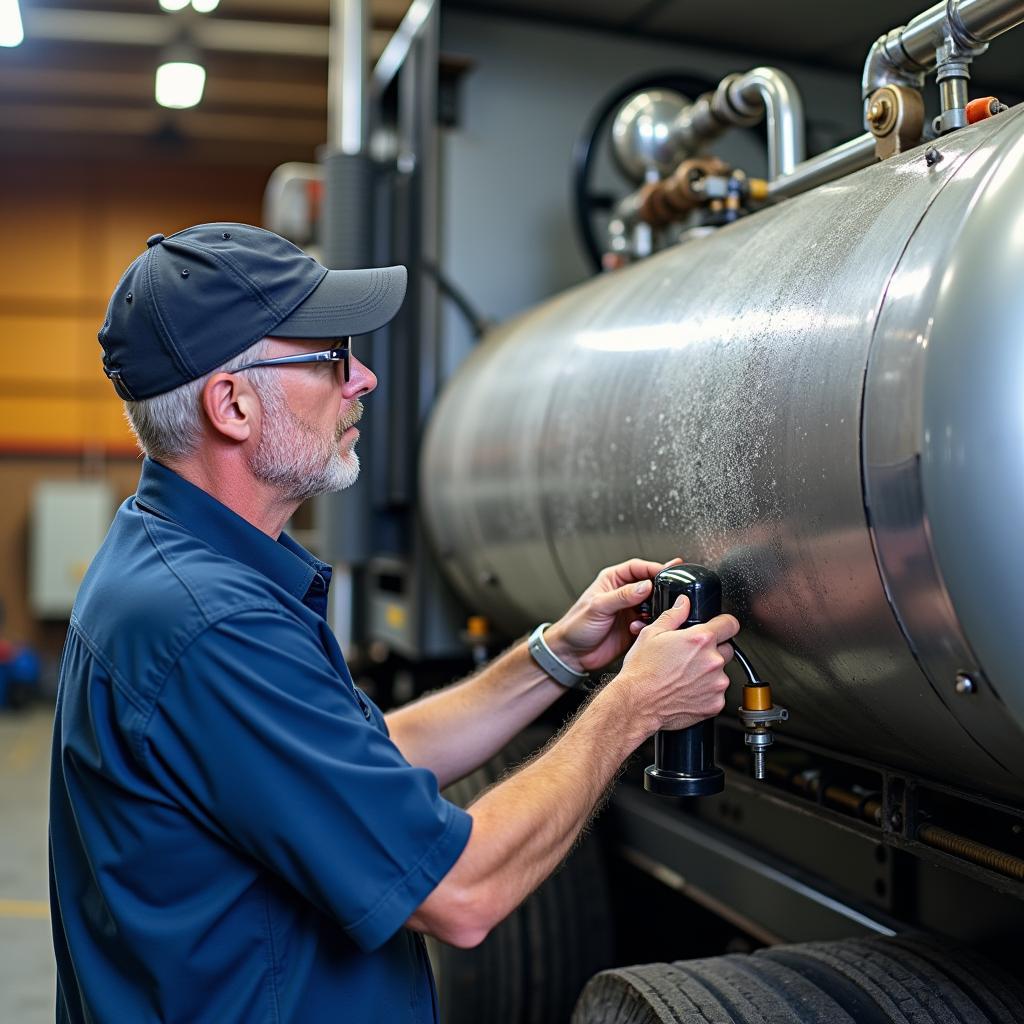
(551, 662)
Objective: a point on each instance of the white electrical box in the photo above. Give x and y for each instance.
(69, 521)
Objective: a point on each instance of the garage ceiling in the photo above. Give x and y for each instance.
(825, 34)
(82, 82)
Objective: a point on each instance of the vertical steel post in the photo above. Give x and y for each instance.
(346, 76)
(346, 238)
(419, 151)
(347, 227)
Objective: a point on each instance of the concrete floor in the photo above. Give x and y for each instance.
(27, 973)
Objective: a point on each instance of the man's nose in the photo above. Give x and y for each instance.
(361, 380)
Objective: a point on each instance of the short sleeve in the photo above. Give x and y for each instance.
(259, 736)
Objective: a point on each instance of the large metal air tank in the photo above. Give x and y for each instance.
(825, 402)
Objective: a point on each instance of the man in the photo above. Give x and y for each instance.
(237, 833)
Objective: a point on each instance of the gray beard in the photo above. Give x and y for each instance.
(293, 458)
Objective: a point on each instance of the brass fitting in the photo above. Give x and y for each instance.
(757, 698)
(664, 202)
(895, 116)
(758, 713)
(757, 189)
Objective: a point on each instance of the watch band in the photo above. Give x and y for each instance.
(551, 662)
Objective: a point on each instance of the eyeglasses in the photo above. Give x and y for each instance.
(341, 353)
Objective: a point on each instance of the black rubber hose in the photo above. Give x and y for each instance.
(478, 324)
(744, 662)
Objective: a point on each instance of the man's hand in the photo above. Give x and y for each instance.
(601, 625)
(524, 827)
(674, 678)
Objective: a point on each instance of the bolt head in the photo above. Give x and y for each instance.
(965, 685)
(879, 111)
(932, 156)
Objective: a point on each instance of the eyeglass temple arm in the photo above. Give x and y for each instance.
(308, 357)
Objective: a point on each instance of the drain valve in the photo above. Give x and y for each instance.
(757, 713)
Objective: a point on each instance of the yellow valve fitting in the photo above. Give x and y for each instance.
(757, 698)
(758, 189)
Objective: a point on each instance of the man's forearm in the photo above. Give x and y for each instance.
(524, 827)
(455, 730)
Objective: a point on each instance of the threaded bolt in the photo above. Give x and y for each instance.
(759, 760)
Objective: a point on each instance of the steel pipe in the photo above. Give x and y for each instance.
(743, 100)
(903, 55)
(976, 21)
(835, 163)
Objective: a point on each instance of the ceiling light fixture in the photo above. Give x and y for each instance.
(179, 84)
(202, 6)
(11, 30)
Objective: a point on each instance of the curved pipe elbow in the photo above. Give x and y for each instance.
(773, 93)
(888, 64)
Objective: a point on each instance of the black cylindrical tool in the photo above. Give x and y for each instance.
(684, 759)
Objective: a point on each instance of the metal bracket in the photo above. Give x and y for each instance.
(773, 714)
(895, 116)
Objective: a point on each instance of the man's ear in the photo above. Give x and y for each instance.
(231, 406)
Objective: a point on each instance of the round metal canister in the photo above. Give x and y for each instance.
(822, 402)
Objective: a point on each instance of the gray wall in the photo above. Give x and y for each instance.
(507, 233)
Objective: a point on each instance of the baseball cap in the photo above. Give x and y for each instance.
(196, 299)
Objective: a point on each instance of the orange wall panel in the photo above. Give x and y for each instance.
(42, 350)
(64, 423)
(69, 233)
(44, 245)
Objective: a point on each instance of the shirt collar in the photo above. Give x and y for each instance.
(288, 564)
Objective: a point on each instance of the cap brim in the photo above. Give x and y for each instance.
(346, 302)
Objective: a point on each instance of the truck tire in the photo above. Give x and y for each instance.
(532, 966)
(856, 981)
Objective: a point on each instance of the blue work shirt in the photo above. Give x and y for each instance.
(233, 836)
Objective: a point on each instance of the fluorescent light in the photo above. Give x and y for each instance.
(180, 84)
(11, 31)
(205, 6)
(173, 5)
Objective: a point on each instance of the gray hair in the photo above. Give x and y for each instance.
(170, 426)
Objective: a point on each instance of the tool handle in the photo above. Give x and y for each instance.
(684, 759)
